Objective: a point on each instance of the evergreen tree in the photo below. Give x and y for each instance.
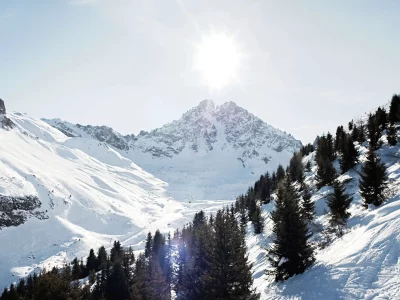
(274, 181)
(381, 118)
(117, 287)
(291, 252)
(258, 221)
(351, 124)
(361, 132)
(149, 245)
(76, 269)
(373, 180)
(394, 111)
(307, 207)
(102, 258)
(374, 132)
(340, 139)
(392, 134)
(339, 202)
(349, 155)
(296, 168)
(116, 252)
(326, 173)
(91, 261)
(228, 276)
(280, 173)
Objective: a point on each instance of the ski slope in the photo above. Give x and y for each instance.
(90, 193)
(362, 264)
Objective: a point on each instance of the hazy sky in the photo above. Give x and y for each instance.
(306, 66)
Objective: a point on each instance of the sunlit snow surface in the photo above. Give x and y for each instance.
(362, 264)
(94, 195)
(91, 193)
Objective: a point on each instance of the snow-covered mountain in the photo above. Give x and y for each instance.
(61, 196)
(211, 152)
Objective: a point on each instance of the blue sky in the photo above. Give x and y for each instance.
(308, 65)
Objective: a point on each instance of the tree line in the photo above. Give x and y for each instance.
(206, 259)
(291, 252)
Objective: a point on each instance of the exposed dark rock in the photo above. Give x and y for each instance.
(4, 120)
(2, 107)
(15, 211)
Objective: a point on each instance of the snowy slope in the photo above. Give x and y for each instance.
(363, 264)
(90, 195)
(211, 152)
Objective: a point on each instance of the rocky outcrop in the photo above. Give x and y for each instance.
(5, 122)
(15, 211)
(2, 107)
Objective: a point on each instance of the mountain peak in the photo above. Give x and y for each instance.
(207, 105)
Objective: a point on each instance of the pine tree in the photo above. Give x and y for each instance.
(280, 173)
(340, 139)
(361, 132)
(258, 221)
(291, 252)
(91, 261)
(339, 202)
(76, 269)
(149, 245)
(296, 168)
(394, 111)
(307, 207)
(229, 273)
(326, 173)
(392, 134)
(117, 286)
(351, 124)
(373, 180)
(102, 258)
(116, 252)
(381, 118)
(374, 132)
(349, 155)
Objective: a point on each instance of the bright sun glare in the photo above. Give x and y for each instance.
(218, 59)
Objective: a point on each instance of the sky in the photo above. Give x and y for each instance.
(305, 66)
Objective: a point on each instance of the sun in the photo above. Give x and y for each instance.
(218, 59)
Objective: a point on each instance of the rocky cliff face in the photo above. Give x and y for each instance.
(5, 122)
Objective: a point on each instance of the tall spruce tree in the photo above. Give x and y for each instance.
(339, 202)
(392, 134)
(228, 276)
(280, 173)
(374, 132)
(326, 173)
(394, 111)
(258, 221)
(307, 206)
(291, 252)
(381, 118)
(373, 180)
(349, 155)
